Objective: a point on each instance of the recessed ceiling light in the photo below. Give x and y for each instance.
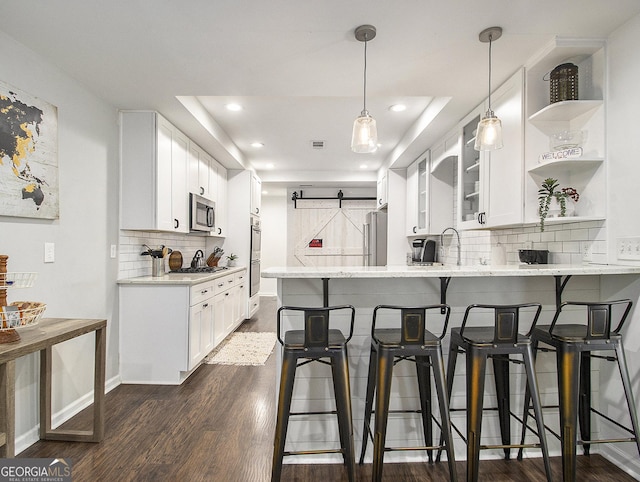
(363, 166)
(257, 144)
(233, 107)
(398, 108)
(269, 165)
(265, 192)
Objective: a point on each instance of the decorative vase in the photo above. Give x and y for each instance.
(555, 209)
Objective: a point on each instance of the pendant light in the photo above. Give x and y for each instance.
(489, 132)
(365, 133)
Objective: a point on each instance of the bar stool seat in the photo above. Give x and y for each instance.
(412, 342)
(498, 342)
(315, 343)
(574, 345)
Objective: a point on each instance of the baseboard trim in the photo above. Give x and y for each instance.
(624, 461)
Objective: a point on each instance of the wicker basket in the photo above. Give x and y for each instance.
(21, 313)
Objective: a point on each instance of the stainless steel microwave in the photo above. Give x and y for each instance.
(202, 213)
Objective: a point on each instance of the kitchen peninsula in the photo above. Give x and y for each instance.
(458, 286)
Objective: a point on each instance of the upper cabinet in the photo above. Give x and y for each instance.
(202, 172)
(491, 185)
(221, 202)
(430, 187)
(153, 170)
(382, 191)
(256, 194)
(582, 118)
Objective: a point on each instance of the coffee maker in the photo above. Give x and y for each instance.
(423, 251)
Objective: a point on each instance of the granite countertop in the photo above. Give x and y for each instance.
(179, 278)
(438, 271)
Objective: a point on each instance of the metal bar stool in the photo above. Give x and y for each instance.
(497, 342)
(412, 341)
(315, 342)
(574, 345)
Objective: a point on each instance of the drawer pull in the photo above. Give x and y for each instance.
(220, 285)
(203, 292)
(205, 305)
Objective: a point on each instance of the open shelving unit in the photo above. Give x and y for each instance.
(585, 173)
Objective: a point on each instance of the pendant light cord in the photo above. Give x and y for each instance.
(364, 96)
(490, 42)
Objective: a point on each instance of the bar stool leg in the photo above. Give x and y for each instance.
(584, 404)
(368, 406)
(340, 368)
(501, 377)
(532, 388)
(451, 369)
(385, 371)
(568, 362)
(439, 378)
(424, 389)
(476, 372)
(628, 391)
(287, 376)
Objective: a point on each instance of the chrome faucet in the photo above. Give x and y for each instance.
(459, 245)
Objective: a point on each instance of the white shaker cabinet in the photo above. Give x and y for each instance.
(382, 190)
(166, 330)
(430, 188)
(256, 194)
(221, 201)
(153, 170)
(490, 189)
(202, 179)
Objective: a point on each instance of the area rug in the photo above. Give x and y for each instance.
(243, 348)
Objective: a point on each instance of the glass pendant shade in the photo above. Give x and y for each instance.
(489, 133)
(365, 134)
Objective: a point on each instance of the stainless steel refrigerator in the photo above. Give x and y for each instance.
(375, 239)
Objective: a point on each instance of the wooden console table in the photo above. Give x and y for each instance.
(49, 332)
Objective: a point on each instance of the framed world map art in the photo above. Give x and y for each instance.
(28, 155)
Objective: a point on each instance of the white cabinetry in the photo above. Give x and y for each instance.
(256, 194)
(153, 170)
(586, 174)
(430, 188)
(202, 177)
(382, 191)
(221, 202)
(168, 329)
(491, 182)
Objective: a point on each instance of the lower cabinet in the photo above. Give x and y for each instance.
(166, 330)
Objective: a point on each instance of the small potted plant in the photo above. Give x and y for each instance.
(231, 260)
(551, 192)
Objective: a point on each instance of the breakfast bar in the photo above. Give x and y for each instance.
(458, 286)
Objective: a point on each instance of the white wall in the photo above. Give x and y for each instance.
(81, 282)
(274, 237)
(624, 171)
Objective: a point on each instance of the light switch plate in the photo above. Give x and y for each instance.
(49, 252)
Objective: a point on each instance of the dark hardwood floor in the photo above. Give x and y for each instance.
(218, 426)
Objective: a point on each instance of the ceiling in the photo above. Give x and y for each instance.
(297, 69)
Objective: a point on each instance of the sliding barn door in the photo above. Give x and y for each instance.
(326, 235)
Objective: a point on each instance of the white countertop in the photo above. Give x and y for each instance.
(439, 271)
(179, 278)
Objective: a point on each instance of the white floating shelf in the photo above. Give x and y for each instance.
(564, 111)
(565, 165)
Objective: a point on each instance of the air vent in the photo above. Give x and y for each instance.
(317, 144)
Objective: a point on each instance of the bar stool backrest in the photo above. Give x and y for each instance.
(413, 321)
(316, 324)
(599, 317)
(506, 325)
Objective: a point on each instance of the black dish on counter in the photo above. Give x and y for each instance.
(534, 256)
